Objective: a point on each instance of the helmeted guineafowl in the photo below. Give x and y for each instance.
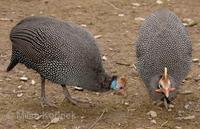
(59, 51)
(164, 54)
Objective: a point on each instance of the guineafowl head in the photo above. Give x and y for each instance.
(163, 86)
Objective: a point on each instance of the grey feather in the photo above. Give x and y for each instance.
(62, 52)
(163, 42)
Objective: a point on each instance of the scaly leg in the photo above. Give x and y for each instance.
(44, 101)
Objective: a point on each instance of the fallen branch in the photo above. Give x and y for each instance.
(112, 5)
(93, 125)
(120, 63)
(163, 124)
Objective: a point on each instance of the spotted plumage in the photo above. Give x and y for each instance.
(59, 51)
(163, 44)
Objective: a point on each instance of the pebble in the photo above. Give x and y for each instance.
(19, 87)
(120, 15)
(19, 94)
(126, 103)
(24, 78)
(83, 25)
(171, 106)
(97, 93)
(186, 118)
(41, 12)
(78, 88)
(153, 121)
(186, 106)
(97, 36)
(153, 114)
(104, 58)
(159, 2)
(34, 126)
(195, 60)
(135, 4)
(32, 82)
(197, 78)
(8, 79)
(186, 92)
(189, 22)
(169, 110)
(139, 19)
(178, 127)
(4, 19)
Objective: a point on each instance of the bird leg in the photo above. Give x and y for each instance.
(44, 101)
(71, 99)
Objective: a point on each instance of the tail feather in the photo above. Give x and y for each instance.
(12, 64)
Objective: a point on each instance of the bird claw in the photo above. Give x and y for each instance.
(45, 102)
(78, 102)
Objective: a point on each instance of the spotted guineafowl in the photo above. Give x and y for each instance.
(59, 51)
(163, 51)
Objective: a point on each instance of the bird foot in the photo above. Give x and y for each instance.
(45, 103)
(78, 102)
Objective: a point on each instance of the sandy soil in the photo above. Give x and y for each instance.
(115, 21)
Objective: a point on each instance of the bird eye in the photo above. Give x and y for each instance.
(159, 86)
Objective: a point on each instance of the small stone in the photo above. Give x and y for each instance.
(7, 78)
(153, 121)
(126, 103)
(159, 2)
(186, 118)
(41, 12)
(186, 92)
(97, 93)
(189, 22)
(169, 110)
(104, 58)
(83, 25)
(195, 60)
(199, 64)
(171, 106)
(197, 78)
(4, 19)
(83, 117)
(120, 15)
(34, 126)
(135, 4)
(139, 19)
(32, 82)
(186, 106)
(19, 94)
(110, 49)
(19, 87)
(153, 114)
(178, 127)
(24, 78)
(78, 88)
(97, 36)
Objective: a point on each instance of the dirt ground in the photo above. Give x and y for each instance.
(115, 21)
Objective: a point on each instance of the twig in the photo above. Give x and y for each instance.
(120, 63)
(164, 124)
(93, 125)
(112, 5)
